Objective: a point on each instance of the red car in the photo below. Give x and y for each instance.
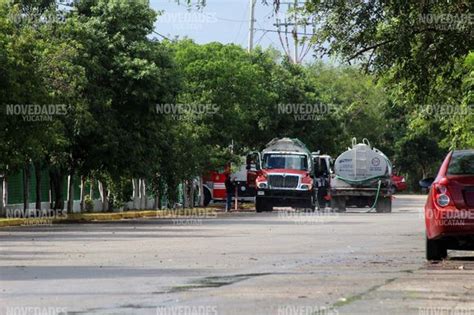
(398, 183)
(449, 209)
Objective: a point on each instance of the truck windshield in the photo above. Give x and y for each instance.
(286, 161)
(462, 163)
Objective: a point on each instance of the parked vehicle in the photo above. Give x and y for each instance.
(214, 185)
(425, 184)
(449, 208)
(282, 175)
(361, 178)
(398, 183)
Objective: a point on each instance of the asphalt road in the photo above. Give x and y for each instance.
(238, 263)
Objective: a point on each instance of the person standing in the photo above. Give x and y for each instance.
(229, 188)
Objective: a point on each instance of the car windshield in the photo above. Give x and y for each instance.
(287, 161)
(462, 163)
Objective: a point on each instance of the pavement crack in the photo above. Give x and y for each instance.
(215, 282)
(359, 296)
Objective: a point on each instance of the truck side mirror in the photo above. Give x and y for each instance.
(252, 162)
(248, 161)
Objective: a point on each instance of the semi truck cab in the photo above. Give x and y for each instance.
(282, 175)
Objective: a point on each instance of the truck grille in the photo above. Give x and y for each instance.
(280, 181)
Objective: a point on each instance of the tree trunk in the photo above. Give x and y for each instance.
(26, 187)
(143, 197)
(70, 192)
(37, 165)
(201, 192)
(2, 201)
(191, 194)
(104, 196)
(157, 203)
(136, 193)
(156, 189)
(91, 188)
(83, 193)
(185, 195)
(5, 191)
(57, 179)
(51, 192)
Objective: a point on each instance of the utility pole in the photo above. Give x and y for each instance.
(295, 35)
(251, 24)
(289, 29)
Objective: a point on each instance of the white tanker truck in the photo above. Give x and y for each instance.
(361, 178)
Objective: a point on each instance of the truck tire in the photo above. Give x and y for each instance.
(207, 197)
(384, 205)
(268, 207)
(435, 250)
(259, 205)
(338, 204)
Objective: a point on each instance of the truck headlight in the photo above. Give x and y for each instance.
(262, 185)
(306, 187)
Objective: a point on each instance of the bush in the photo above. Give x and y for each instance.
(88, 204)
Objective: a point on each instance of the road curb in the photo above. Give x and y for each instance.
(114, 216)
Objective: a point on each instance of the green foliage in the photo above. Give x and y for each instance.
(88, 203)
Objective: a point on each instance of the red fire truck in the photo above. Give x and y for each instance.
(214, 185)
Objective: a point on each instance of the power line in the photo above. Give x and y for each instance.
(213, 16)
(163, 36)
(240, 27)
(276, 31)
(290, 29)
(265, 34)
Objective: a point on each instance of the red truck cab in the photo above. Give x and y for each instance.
(282, 175)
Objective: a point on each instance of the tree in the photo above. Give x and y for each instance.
(128, 74)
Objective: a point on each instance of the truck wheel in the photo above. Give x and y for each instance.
(207, 197)
(268, 207)
(435, 250)
(311, 207)
(259, 205)
(384, 205)
(338, 204)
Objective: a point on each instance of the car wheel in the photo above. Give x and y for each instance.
(435, 250)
